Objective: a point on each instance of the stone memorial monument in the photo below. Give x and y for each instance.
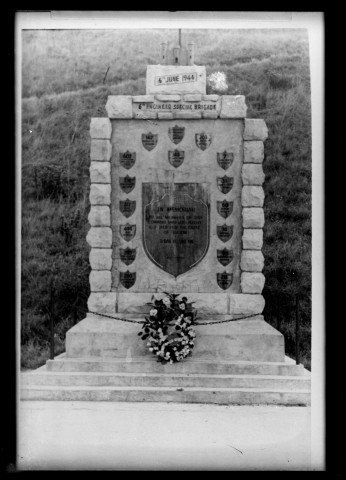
(177, 206)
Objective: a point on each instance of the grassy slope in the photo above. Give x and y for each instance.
(63, 87)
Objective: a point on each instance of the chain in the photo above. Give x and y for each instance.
(195, 324)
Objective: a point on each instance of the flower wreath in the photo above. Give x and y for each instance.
(169, 328)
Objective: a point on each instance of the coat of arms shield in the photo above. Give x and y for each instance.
(176, 134)
(128, 232)
(224, 232)
(149, 140)
(127, 279)
(224, 280)
(203, 140)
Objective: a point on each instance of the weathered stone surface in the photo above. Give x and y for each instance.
(253, 217)
(252, 282)
(181, 86)
(99, 216)
(165, 115)
(233, 106)
(244, 303)
(252, 238)
(143, 98)
(193, 98)
(100, 258)
(100, 280)
(102, 302)
(100, 172)
(210, 114)
(100, 150)
(188, 115)
(211, 98)
(119, 106)
(252, 196)
(167, 98)
(252, 174)
(100, 194)
(99, 237)
(145, 114)
(253, 151)
(100, 128)
(251, 261)
(255, 129)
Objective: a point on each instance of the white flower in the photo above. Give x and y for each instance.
(151, 349)
(153, 312)
(167, 301)
(217, 81)
(182, 306)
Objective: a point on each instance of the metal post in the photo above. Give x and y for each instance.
(297, 330)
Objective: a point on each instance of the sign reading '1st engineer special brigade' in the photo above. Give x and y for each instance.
(176, 224)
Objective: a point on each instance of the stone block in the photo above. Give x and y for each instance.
(100, 128)
(104, 302)
(99, 216)
(251, 261)
(168, 98)
(168, 79)
(100, 258)
(100, 280)
(188, 115)
(145, 114)
(119, 106)
(165, 115)
(252, 174)
(255, 129)
(100, 150)
(100, 237)
(252, 196)
(210, 114)
(193, 98)
(143, 98)
(253, 217)
(100, 194)
(252, 282)
(252, 238)
(100, 172)
(211, 98)
(253, 151)
(246, 303)
(233, 106)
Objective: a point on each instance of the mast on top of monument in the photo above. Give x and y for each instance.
(178, 55)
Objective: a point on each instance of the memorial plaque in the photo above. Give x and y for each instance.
(127, 279)
(224, 208)
(128, 231)
(225, 184)
(149, 140)
(127, 255)
(176, 158)
(224, 280)
(176, 224)
(127, 207)
(127, 159)
(224, 232)
(225, 159)
(127, 183)
(225, 256)
(203, 140)
(176, 134)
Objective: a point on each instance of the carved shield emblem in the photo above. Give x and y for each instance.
(149, 140)
(224, 232)
(127, 207)
(176, 134)
(127, 183)
(225, 184)
(225, 256)
(176, 158)
(128, 232)
(127, 279)
(225, 159)
(224, 280)
(127, 255)
(176, 224)
(127, 159)
(203, 140)
(224, 208)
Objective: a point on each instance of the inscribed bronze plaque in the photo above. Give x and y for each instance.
(224, 208)
(127, 279)
(149, 140)
(128, 231)
(127, 159)
(127, 207)
(176, 224)
(127, 255)
(176, 157)
(225, 159)
(127, 183)
(224, 232)
(176, 134)
(203, 140)
(225, 256)
(225, 184)
(224, 280)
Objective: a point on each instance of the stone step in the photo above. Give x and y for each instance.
(220, 396)
(166, 380)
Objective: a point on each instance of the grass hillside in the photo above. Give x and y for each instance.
(66, 78)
